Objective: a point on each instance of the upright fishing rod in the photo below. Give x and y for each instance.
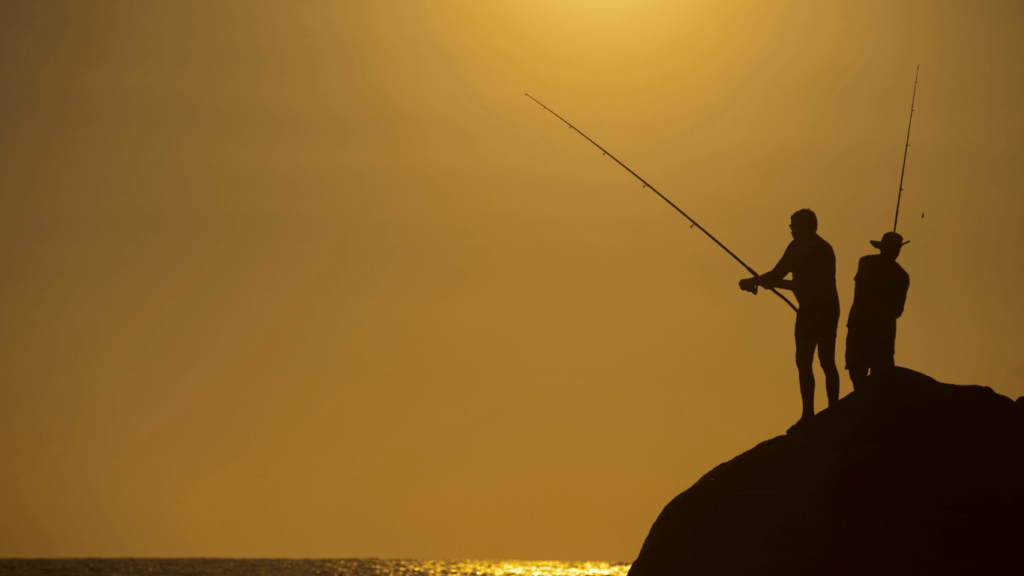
(905, 148)
(646, 185)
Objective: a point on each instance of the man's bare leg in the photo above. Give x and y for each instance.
(857, 377)
(805, 366)
(827, 358)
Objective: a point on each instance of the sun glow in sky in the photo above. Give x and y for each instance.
(316, 279)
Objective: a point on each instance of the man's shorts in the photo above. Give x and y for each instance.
(817, 322)
(870, 346)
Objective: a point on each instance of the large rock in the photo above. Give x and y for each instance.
(910, 476)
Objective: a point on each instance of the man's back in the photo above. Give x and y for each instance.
(813, 264)
(880, 292)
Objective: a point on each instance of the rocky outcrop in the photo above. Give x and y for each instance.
(910, 476)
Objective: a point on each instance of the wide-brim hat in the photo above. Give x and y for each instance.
(889, 240)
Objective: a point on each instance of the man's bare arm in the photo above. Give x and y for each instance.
(772, 283)
(776, 277)
(766, 281)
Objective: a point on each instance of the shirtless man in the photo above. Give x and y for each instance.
(812, 262)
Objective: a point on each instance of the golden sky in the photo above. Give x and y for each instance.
(316, 279)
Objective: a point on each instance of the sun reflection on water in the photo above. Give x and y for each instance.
(306, 567)
(503, 568)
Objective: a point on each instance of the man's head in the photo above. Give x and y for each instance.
(890, 244)
(803, 223)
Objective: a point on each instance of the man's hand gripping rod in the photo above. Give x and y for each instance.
(646, 185)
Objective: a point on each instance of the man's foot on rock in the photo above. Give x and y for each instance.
(799, 424)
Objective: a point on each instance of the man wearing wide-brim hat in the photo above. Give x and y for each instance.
(878, 300)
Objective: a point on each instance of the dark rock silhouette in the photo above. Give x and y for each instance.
(909, 476)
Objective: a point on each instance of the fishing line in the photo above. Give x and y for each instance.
(670, 203)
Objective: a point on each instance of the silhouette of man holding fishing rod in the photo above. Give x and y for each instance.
(879, 296)
(812, 262)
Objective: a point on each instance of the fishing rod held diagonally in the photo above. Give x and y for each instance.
(670, 203)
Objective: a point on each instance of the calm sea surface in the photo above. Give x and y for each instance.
(371, 567)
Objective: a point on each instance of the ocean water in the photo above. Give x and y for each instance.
(269, 567)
